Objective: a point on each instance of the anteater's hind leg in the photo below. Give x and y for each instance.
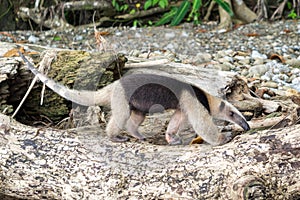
(120, 115)
(133, 123)
(176, 122)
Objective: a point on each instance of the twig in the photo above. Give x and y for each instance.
(25, 96)
(45, 64)
(279, 10)
(210, 7)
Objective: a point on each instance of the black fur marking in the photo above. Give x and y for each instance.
(200, 94)
(222, 106)
(144, 91)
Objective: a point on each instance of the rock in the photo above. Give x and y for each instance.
(295, 71)
(269, 84)
(259, 61)
(33, 39)
(204, 57)
(258, 70)
(169, 35)
(137, 35)
(293, 62)
(296, 81)
(225, 66)
(225, 59)
(255, 54)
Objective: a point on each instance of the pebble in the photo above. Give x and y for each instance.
(33, 39)
(258, 61)
(269, 84)
(227, 51)
(169, 35)
(255, 54)
(258, 70)
(295, 71)
(293, 62)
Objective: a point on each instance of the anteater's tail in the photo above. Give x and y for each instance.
(83, 97)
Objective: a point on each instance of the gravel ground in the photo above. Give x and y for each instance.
(269, 52)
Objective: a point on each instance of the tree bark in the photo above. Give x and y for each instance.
(84, 164)
(242, 14)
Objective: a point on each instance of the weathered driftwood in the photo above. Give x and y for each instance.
(84, 164)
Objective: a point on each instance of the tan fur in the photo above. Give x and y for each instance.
(124, 119)
(201, 120)
(191, 108)
(176, 123)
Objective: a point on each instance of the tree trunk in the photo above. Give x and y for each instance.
(242, 14)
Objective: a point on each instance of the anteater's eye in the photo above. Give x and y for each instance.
(231, 114)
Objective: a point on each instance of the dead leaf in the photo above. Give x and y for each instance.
(252, 34)
(197, 140)
(275, 56)
(14, 52)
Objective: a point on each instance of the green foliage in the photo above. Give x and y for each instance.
(225, 6)
(57, 38)
(292, 14)
(195, 11)
(135, 23)
(167, 17)
(176, 14)
(181, 12)
(118, 7)
(152, 3)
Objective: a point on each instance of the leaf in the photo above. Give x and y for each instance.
(197, 140)
(147, 4)
(124, 7)
(113, 2)
(56, 38)
(132, 11)
(163, 3)
(115, 5)
(167, 17)
(195, 10)
(225, 6)
(154, 2)
(181, 12)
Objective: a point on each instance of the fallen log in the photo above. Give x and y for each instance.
(83, 164)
